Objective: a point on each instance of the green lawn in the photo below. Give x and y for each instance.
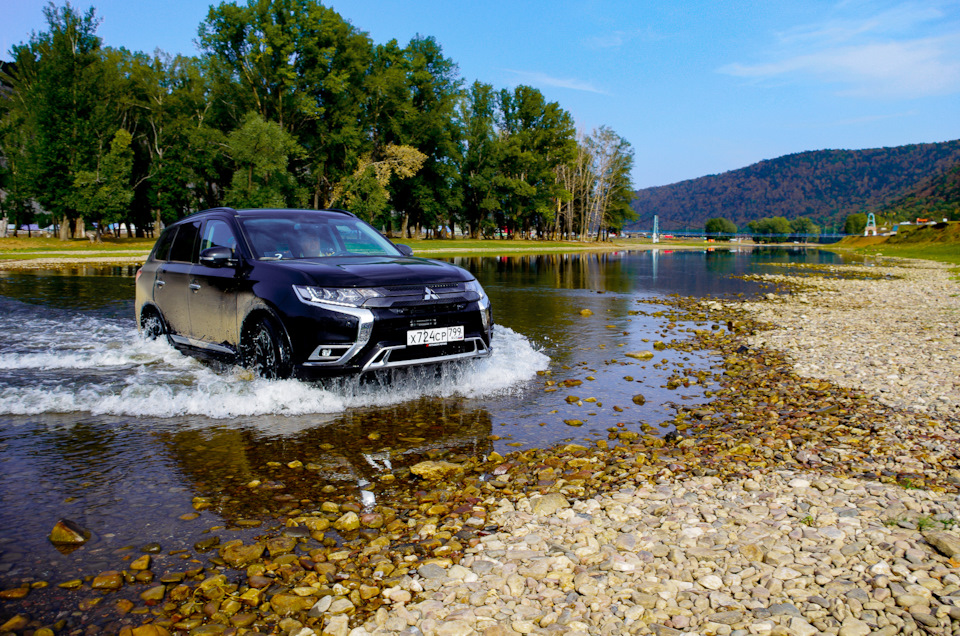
(38, 247)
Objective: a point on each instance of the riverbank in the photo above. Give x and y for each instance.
(789, 504)
(45, 253)
(809, 497)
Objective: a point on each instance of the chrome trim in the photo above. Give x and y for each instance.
(364, 331)
(381, 360)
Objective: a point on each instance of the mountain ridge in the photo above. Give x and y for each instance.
(824, 185)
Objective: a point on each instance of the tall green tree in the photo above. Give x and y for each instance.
(429, 125)
(480, 157)
(103, 195)
(538, 137)
(855, 223)
(261, 152)
(59, 85)
(300, 64)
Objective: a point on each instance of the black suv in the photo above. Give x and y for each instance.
(306, 293)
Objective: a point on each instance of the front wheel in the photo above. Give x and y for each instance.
(264, 351)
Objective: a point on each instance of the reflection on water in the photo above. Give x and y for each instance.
(121, 435)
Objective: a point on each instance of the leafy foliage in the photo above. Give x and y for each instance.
(291, 105)
(719, 225)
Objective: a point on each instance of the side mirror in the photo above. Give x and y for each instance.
(406, 250)
(216, 256)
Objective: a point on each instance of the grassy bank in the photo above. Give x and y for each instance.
(24, 248)
(930, 242)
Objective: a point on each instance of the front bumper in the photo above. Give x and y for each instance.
(347, 340)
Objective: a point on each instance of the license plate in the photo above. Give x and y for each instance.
(435, 336)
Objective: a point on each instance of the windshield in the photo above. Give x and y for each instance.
(313, 236)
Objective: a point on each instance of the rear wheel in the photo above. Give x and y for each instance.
(264, 351)
(151, 325)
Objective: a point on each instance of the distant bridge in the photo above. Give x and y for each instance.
(778, 238)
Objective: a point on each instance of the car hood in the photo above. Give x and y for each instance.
(374, 271)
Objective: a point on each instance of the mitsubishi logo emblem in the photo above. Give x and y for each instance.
(429, 294)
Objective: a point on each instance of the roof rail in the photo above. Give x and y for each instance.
(341, 211)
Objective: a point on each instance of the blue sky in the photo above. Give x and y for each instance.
(696, 87)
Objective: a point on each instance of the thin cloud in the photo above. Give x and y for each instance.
(882, 56)
(542, 79)
(620, 38)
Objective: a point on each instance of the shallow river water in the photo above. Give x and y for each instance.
(121, 435)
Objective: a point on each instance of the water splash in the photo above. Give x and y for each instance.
(103, 367)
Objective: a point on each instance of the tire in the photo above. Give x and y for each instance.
(152, 326)
(264, 351)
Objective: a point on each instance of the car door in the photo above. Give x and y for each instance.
(213, 291)
(170, 287)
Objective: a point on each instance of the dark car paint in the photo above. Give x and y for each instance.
(205, 306)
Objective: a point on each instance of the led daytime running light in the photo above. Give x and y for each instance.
(344, 296)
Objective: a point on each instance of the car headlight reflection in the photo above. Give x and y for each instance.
(343, 296)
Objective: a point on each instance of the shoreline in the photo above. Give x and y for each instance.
(789, 504)
(76, 258)
(852, 533)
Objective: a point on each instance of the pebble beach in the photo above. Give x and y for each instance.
(797, 551)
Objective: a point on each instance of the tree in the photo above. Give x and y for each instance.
(301, 65)
(59, 83)
(103, 195)
(720, 226)
(612, 192)
(261, 151)
(537, 137)
(428, 124)
(770, 229)
(479, 157)
(855, 224)
(365, 191)
(804, 227)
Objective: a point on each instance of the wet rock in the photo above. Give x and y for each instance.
(237, 555)
(435, 470)
(109, 580)
(67, 532)
(286, 604)
(548, 504)
(348, 522)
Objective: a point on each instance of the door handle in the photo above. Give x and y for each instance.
(159, 283)
(194, 286)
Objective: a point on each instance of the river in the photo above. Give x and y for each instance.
(123, 435)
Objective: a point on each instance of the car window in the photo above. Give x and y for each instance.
(162, 248)
(312, 236)
(362, 239)
(218, 233)
(185, 244)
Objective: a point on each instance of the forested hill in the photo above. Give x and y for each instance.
(824, 185)
(935, 197)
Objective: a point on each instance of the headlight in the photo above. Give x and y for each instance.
(344, 296)
(474, 286)
(486, 314)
